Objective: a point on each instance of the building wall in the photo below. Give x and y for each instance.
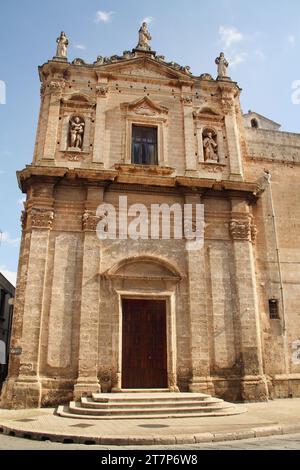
(278, 223)
(6, 311)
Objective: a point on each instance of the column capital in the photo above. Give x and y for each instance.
(41, 218)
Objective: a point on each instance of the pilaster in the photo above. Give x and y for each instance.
(189, 138)
(54, 97)
(242, 230)
(87, 381)
(200, 363)
(24, 390)
(228, 97)
(99, 138)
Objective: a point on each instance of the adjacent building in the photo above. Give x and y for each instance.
(7, 293)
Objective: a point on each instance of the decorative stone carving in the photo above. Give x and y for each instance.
(76, 132)
(187, 100)
(206, 76)
(78, 61)
(222, 66)
(254, 233)
(108, 378)
(90, 221)
(42, 218)
(42, 89)
(128, 55)
(210, 146)
(62, 46)
(99, 60)
(228, 101)
(241, 230)
(26, 368)
(213, 167)
(144, 38)
(179, 67)
(73, 156)
(102, 90)
(263, 183)
(56, 86)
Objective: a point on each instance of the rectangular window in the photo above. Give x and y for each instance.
(144, 145)
(273, 309)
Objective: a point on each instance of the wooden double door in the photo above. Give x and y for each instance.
(144, 344)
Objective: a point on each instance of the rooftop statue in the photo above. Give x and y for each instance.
(62, 46)
(144, 38)
(222, 64)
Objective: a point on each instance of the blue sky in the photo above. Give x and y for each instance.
(260, 38)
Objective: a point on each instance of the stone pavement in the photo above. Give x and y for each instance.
(263, 419)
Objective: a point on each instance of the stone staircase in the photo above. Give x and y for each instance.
(156, 404)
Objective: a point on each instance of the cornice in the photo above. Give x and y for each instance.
(53, 175)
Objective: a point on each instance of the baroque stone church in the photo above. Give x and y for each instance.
(100, 315)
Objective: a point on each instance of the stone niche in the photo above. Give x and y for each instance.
(210, 133)
(77, 121)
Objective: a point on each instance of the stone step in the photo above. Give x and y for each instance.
(142, 390)
(89, 403)
(65, 413)
(158, 397)
(148, 406)
(75, 407)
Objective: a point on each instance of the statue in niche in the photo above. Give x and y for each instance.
(62, 46)
(222, 64)
(144, 38)
(210, 147)
(76, 132)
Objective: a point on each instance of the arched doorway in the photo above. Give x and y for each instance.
(145, 333)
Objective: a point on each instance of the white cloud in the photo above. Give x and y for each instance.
(229, 36)
(10, 275)
(81, 47)
(237, 59)
(103, 16)
(21, 201)
(292, 40)
(148, 19)
(2, 172)
(6, 239)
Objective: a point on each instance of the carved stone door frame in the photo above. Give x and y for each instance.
(169, 297)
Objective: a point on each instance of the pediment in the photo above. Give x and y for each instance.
(146, 67)
(144, 267)
(207, 112)
(144, 107)
(78, 100)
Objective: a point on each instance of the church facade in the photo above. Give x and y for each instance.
(117, 313)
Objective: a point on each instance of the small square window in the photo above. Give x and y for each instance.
(144, 145)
